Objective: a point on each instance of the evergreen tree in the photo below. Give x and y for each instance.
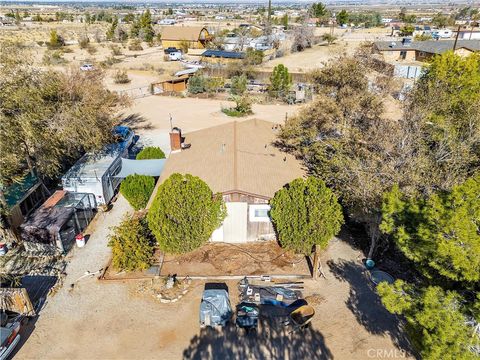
(184, 213)
(280, 81)
(306, 213)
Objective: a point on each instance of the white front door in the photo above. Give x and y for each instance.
(235, 224)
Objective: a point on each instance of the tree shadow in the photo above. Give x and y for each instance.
(365, 304)
(136, 122)
(273, 340)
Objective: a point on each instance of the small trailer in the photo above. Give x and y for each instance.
(95, 172)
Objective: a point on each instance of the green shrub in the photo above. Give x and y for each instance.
(243, 106)
(132, 245)
(196, 84)
(137, 189)
(239, 85)
(150, 152)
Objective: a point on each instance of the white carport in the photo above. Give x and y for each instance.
(151, 167)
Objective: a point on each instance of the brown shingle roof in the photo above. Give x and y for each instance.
(236, 156)
(177, 33)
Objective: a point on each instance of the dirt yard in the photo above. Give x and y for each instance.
(232, 259)
(98, 320)
(150, 116)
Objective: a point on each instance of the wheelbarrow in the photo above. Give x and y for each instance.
(301, 317)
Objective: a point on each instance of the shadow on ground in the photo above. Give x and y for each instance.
(366, 305)
(136, 122)
(273, 341)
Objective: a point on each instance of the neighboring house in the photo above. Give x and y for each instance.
(222, 57)
(423, 50)
(22, 198)
(174, 36)
(469, 34)
(239, 161)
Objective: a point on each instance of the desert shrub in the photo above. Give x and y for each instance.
(243, 106)
(196, 84)
(239, 85)
(53, 58)
(83, 42)
(132, 245)
(116, 50)
(56, 41)
(135, 45)
(121, 77)
(137, 189)
(66, 50)
(109, 61)
(150, 152)
(91, 49)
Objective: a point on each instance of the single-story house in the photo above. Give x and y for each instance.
(469, 34)
(222, 57)
(174, 36)
(239, 161)
(423, 50)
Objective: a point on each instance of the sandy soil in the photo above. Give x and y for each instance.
(150, 116)
(98, 320)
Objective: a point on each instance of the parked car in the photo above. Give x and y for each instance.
(215, 308)
(86, 67)
(11, 323)
(175, 56)
(170, 50)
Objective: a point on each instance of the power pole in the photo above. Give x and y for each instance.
(456, 38)
(269, 17)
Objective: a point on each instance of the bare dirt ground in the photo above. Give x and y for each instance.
(150, 116)
(98, 320)
(224, 259)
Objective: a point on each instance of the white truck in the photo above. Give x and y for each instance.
(94, 173)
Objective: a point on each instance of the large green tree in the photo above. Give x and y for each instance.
(306, 213)
(438, 322)
(440, 233)
(48, 117)
(444, 114)
(184, 213)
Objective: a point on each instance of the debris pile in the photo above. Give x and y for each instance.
(167, 290)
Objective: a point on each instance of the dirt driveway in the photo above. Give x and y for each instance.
(99, 320)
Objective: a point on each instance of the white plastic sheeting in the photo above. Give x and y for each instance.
(152, 167)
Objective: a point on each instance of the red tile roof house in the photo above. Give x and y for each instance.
(239, 161)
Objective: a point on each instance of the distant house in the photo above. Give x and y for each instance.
(423, 50)
(469, 34)
(222, 57)
(174, 36)
(239, 161)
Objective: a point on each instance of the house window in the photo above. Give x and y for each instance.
(259, 213)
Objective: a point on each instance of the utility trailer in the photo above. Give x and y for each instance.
(95, 172)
